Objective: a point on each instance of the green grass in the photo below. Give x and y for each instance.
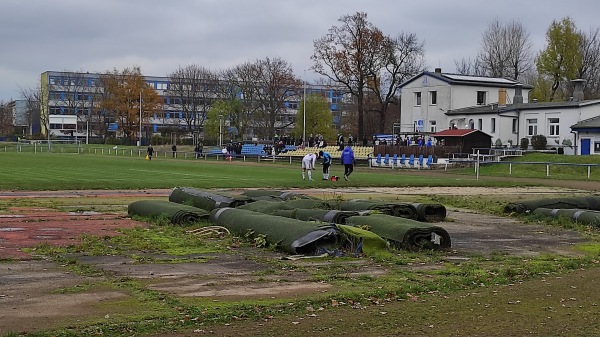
(55, 171)
(560, 167)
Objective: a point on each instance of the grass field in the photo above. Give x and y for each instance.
(55, 171)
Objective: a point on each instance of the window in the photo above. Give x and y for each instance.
(432, 126)
(493, 126)
(161, 85)
(417, 98)
(480, 124)
(481, 97)
(553, 123)
(532, 127)
(471, 124)
(515, 125)
(433, 97)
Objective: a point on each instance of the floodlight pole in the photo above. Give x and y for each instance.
(304, 114)
(140, 136)
(220, 130)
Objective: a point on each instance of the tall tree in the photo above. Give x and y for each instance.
(36, 108)
(505, 50)
(348, 54)
(6, 120)
(589, 46)
(561, 58)
(402, 57)
(191, 91)
(123, 90)
(264, 86)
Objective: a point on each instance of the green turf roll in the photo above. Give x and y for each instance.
(527, 206)
(403, 233)
(263, 194)
(365, 241)
(309, 203)
(325, 215)
(290, 235)
(266, 206)
(581, 216)
(401, 209)
(177, 213)
(430, 212)
(206, 200)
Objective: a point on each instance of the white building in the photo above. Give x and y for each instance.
(428, 98)
(432, 102)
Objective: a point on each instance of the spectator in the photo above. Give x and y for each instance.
(149, 152)
(174, 149)
(365, 141)
(197, 151)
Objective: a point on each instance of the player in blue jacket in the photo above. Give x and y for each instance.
(348, 161)
(326, 163)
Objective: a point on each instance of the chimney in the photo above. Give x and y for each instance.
(518, 99)
(438, 70)
(578, 90)
(502, 97)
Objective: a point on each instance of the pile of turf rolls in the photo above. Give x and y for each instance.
(527, 206)
(290, 235)
(176, 213)
(402, 232)
(581, 216)
(206, 200)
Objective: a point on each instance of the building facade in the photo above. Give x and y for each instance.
(69, 99)
(429, 99)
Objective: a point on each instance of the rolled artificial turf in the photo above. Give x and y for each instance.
(176, 213)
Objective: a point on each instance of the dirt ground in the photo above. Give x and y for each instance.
(29, 300)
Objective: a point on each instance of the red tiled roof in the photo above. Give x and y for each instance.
(454, 133)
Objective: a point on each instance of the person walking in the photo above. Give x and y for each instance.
(150, 152)
(348, 161)
(308, 164)
(326, 163)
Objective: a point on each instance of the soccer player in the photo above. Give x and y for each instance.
(326, 163)
(308, 164)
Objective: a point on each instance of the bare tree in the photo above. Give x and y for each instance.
(589, 70)
(402, 58)
(506, 50)
(238, 84)
(469, 67)
(6, 120)
(36, 110)
(347, 55)
(191, 91)
(263, 86)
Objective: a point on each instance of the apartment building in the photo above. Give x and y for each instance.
(71, 96)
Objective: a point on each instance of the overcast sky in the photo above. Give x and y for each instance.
(160, 35)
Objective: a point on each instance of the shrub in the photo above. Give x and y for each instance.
(539, 142)
(498, 143)
(524, 143)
